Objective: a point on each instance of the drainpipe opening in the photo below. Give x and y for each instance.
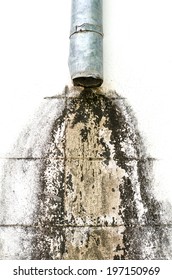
(87, 82)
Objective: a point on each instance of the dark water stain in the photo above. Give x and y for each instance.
(50, 210)
(137, 235)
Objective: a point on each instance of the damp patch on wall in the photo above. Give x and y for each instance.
(86, 166)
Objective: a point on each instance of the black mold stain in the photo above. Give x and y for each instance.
(129, 212)
(51, 212)
(136, 236)
(85, 132)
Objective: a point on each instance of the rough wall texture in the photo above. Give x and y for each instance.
(80, 185)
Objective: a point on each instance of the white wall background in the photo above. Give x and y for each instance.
(137, 64)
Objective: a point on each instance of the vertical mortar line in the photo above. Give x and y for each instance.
(65, 159)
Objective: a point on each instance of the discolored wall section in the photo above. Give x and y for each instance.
(92, 184)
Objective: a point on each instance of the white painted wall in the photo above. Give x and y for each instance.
(137, 64)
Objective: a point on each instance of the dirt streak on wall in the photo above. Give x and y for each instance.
(93, 194)
(103, 200)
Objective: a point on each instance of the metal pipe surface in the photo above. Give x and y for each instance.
(86, 43)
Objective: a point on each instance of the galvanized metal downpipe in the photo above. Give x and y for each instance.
(86, 43)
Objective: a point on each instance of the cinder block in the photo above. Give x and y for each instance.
(33, 140)
(20, 186)
(92, 192)
(94, 243)
(16, 243)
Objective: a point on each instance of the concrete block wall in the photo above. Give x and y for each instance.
(85, 174)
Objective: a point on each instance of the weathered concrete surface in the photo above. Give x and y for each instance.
(92, 195)
(33, 141)
(20, 181)
(15, 242)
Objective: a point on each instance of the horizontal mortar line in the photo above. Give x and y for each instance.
(81, 158)
(91, 226)
(110, 98)
(17, 225)
(55, 97)
(81, 97)
(112, 226)
(85, 158)
(106, 158)
(141, 158)
(23, 158)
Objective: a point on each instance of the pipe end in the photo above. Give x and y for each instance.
(87, 82)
